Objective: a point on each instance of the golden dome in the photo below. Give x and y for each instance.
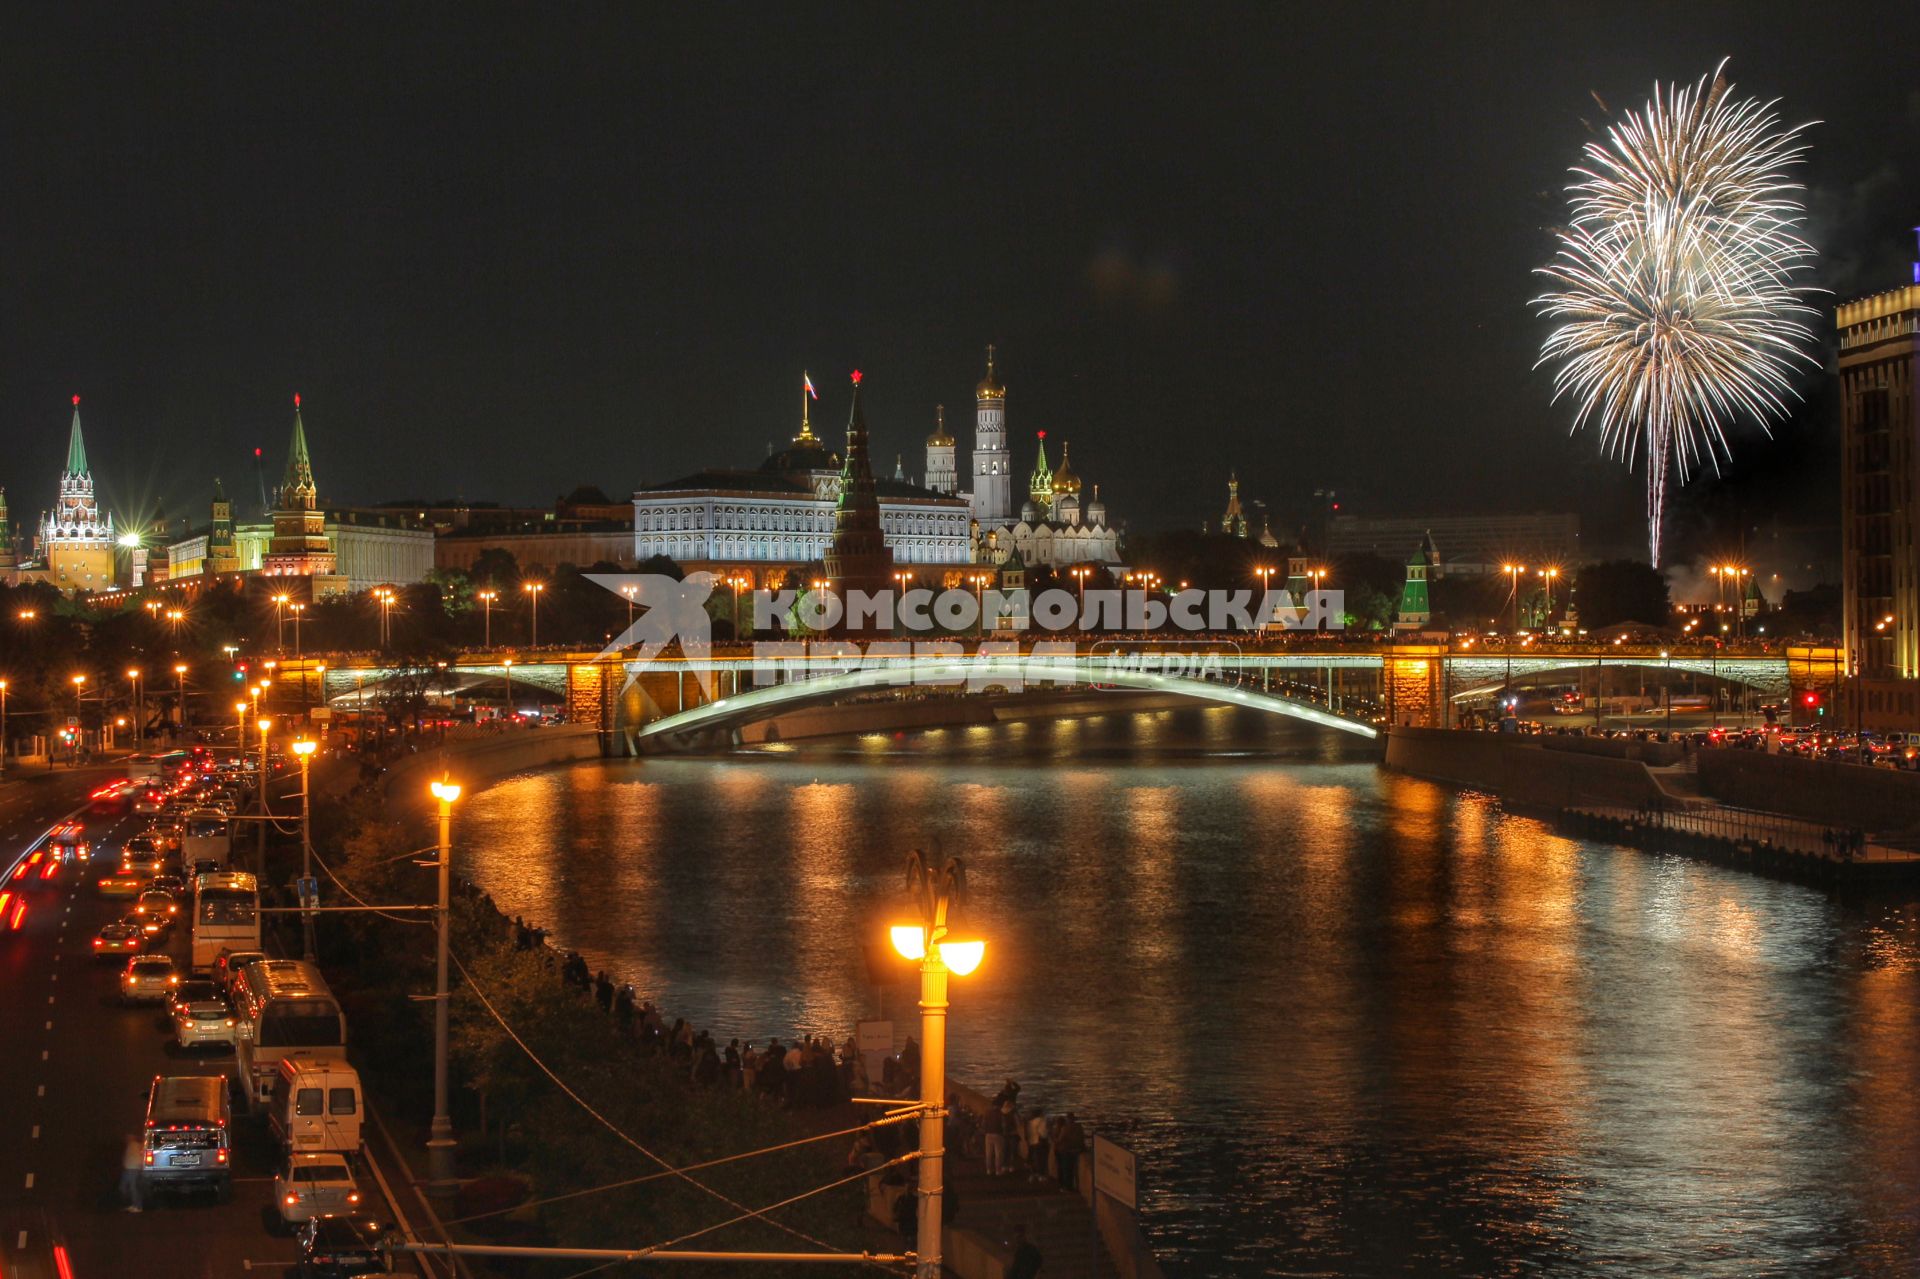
(1064, 480)
(940, 438)
(990, 388)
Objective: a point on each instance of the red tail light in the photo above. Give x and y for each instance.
(19, 914)
(60, 1261)
(149, 1159)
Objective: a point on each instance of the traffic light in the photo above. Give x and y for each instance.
(240, 672)
(1813, 702)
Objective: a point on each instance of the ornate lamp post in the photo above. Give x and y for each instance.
(486, 599)
(440, 1142)
(533, 590)
(304, 748)
(933, 943)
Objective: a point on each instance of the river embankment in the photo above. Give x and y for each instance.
(1819, 821)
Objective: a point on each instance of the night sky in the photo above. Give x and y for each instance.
(504, 253)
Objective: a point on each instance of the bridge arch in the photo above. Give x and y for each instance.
(728, 713)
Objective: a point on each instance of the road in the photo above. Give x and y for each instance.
(74, 1072)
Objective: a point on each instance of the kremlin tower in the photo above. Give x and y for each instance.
(300, 546)
(76, 542)
(223, 552)
(858, 558)
(992, 464)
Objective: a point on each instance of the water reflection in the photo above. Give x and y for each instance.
(1358, 1023)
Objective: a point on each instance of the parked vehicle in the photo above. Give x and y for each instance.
(189, 1122)
(119, 939)
(341, 1248)
(315, 1185)
(200, 1015)
(315, 1103)
(148, 979)
(284, 1007)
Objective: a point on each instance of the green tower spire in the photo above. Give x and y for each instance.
(1040, 483)
(296, 487)
(76, 446)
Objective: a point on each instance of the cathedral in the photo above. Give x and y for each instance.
(1052, 528)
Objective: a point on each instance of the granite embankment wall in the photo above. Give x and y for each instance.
(1826, 791)
(475, 761)
(1523, 770)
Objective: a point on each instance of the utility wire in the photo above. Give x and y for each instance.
(912, 1115)
(613, 1128)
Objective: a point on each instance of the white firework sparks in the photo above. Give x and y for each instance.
(1675, 281)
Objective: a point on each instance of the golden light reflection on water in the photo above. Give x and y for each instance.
(1365, 1024)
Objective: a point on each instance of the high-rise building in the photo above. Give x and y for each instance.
(940, 473)
(1880, 483)
(992, 463)
(76, 540)
(9, 558)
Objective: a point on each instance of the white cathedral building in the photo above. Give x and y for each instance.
(760, 524)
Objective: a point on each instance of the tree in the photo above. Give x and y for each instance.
(1618, 591)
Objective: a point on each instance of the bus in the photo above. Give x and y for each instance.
(284, 1009)
(226, 916)
(163, 768)
(206, 838)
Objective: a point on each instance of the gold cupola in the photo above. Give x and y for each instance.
(990, 388)
(1064, 480)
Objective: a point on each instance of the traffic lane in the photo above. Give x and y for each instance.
(39, 797)
(105, 1056)
(107, 1061)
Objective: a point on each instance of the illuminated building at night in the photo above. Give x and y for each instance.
(780, 516)
(1879, 360)
(77, 543)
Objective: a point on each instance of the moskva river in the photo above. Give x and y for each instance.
(1351, 1022)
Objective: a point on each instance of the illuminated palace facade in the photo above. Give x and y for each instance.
(779, 516)
(769, 521)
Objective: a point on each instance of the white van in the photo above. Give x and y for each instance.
(316, 1104)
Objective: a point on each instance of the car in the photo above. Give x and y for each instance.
(156, 928)
(142, 862)
(316, 1185)
(149, 801)
(119, 939)
(157, 903)
(69, 842)
(122, 883)
(231, 966)
(341, 1248)
(148, 979)
(200, 1015)
(172, 885)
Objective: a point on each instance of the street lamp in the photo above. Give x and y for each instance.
(180, 690)
(297, 609)
(240, 731)
(1080, 574)
(385, 596)
(3, 728)
(139, 709)
(79, 685)
(1550, 574)
(939, 952)
(280, 621)
(486, 599)
(440, 1143)
(533, 590)
(261, 727)
(304, 748)
(506, 692)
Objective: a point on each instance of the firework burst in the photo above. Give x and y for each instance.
(1674, 285)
